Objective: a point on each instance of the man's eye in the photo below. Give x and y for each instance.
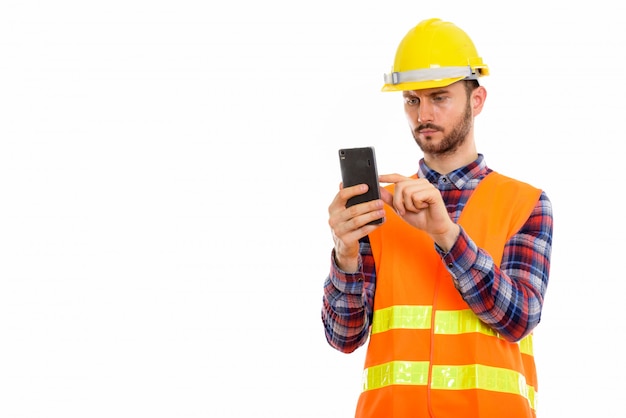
(411, 101)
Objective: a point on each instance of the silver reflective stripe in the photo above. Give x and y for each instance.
(429, 74)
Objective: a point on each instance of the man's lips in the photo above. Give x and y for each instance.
(427, 131)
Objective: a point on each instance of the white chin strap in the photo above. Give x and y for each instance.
(430, 74)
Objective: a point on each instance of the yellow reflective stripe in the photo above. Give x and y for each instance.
(479, 376)
(407, 317)
(472, 376)
(396, 373)
(462, 321)
(526, 345)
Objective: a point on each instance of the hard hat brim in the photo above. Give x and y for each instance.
(420, 85)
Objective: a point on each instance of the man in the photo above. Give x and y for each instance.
(449, 288)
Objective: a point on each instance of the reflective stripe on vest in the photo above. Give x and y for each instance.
(472, 376)
(446, 322)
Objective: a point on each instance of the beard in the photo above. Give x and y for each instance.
(450, 142)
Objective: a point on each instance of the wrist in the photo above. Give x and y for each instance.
(447, 240)
(347, 264)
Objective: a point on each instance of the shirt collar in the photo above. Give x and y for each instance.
(459, 177)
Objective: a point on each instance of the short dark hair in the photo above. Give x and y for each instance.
(470, 86)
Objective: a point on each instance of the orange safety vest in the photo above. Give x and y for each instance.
(429, 355)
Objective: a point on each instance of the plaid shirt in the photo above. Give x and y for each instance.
(508, 298)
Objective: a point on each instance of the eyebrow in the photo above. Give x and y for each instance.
(434, 93)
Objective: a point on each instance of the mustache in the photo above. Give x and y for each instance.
(428, 126)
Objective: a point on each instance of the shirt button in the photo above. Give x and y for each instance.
(443, 179)
(450, 265)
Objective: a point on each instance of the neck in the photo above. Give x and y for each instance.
(444, 164)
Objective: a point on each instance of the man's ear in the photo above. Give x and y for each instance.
(479, 95)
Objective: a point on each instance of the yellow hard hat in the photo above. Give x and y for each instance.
(434, 54)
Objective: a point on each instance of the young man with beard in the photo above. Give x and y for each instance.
(449, 288)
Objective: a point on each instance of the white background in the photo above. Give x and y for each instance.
(165, 173)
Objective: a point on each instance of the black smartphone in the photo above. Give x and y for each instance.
(358, 165)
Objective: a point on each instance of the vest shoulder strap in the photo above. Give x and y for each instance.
(499, 203)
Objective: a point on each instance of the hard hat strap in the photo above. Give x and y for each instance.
(430, 74)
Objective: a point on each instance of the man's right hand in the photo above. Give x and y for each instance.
(349, 225)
